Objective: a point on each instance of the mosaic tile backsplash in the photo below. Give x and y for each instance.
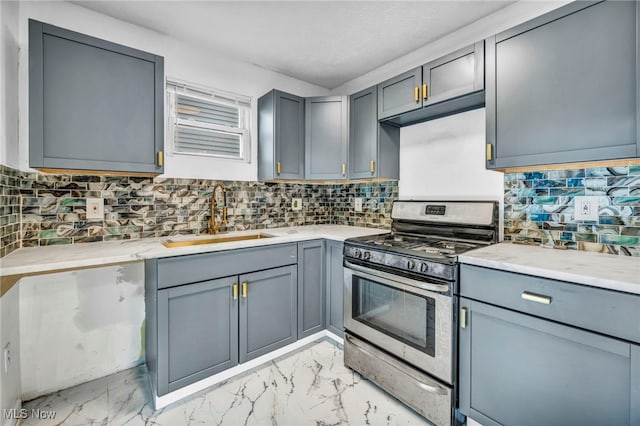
(539, 208)
(54, 206)
(9, 210)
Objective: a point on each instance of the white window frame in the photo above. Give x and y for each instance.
(243, 103)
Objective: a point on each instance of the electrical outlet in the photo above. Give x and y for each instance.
(7, 357)
(95, 208)
(586, 208)
(296, 203)
(357, 204)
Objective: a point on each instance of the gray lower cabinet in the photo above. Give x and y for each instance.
(334, 286)
(280, 136)
(516, 369)
(311, 287)
(268, 307)
(93, 104)
(556, 93)
(326, 133)
(197, 332)
(535, 351)
(374, 147)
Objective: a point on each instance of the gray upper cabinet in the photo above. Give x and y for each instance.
(281, 136)
(558, 93)
(197, 332)
(374, 147)
(335, 285)
(451, 84)
(400, 94)
(93, 105)
(326, 134)
(457, 74)
(311, 288)
(268, 311)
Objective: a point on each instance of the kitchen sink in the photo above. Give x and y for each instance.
(213, 240)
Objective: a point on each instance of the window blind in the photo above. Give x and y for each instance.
(208, 122)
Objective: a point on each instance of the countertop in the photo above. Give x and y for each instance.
(37, 260)
(612, 272)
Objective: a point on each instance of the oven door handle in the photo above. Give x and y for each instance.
(393, 279)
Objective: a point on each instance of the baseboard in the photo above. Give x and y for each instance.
(175, 396)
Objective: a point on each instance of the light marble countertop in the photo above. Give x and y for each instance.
(34, 260)
(613, 272)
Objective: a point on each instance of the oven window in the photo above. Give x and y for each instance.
(402, 315)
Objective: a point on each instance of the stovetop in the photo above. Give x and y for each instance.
(427, 237)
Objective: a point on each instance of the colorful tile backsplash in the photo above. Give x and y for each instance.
(539, 208)
(54, 206)
(9, 210)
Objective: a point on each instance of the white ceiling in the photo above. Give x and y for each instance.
(322, 42)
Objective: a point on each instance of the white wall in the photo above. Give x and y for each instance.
(9, 83)
(182, 61)
(444, 160)
(80, 325)
(9, 336)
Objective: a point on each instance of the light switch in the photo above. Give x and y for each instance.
(296, 203)
(357, 204)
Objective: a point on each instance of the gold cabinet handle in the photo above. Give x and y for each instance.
(372, 166)
(416, 93)
(278, 168)
(463, 318)
(425, 91)
(160, 158)
(538, 298)
(344, 169)
(245, 290)
(489, 152)
(235, 291)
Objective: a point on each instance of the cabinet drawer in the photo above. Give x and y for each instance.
(178, 270)
(604, 311)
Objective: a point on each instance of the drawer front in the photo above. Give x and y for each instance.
(179, 270)
(604, 311)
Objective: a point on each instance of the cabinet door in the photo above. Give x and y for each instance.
(335, 284)
(289, 136)
(311, 290)
(374, 148)
(93, 105)
(557, 93)
(197, 332)
(268, 318)
(363, 133)
(400, 94)
(516, 369)
(326, 137)
(456, 74)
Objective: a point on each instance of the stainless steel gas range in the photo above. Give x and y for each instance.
(399, 300)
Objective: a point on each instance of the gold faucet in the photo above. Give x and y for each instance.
(214, 227)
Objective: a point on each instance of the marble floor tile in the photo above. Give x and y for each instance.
(308, 387)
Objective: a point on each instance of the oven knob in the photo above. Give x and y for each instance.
(357, 253)
(424, 267)
(410, 264)
(366, 255)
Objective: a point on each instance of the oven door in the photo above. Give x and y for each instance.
(408, 318)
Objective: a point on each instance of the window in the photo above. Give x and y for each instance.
(208, 122)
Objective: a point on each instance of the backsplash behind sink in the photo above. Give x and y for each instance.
(53, 207)
(539, 208)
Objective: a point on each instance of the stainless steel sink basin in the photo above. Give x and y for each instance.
(213, 240)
